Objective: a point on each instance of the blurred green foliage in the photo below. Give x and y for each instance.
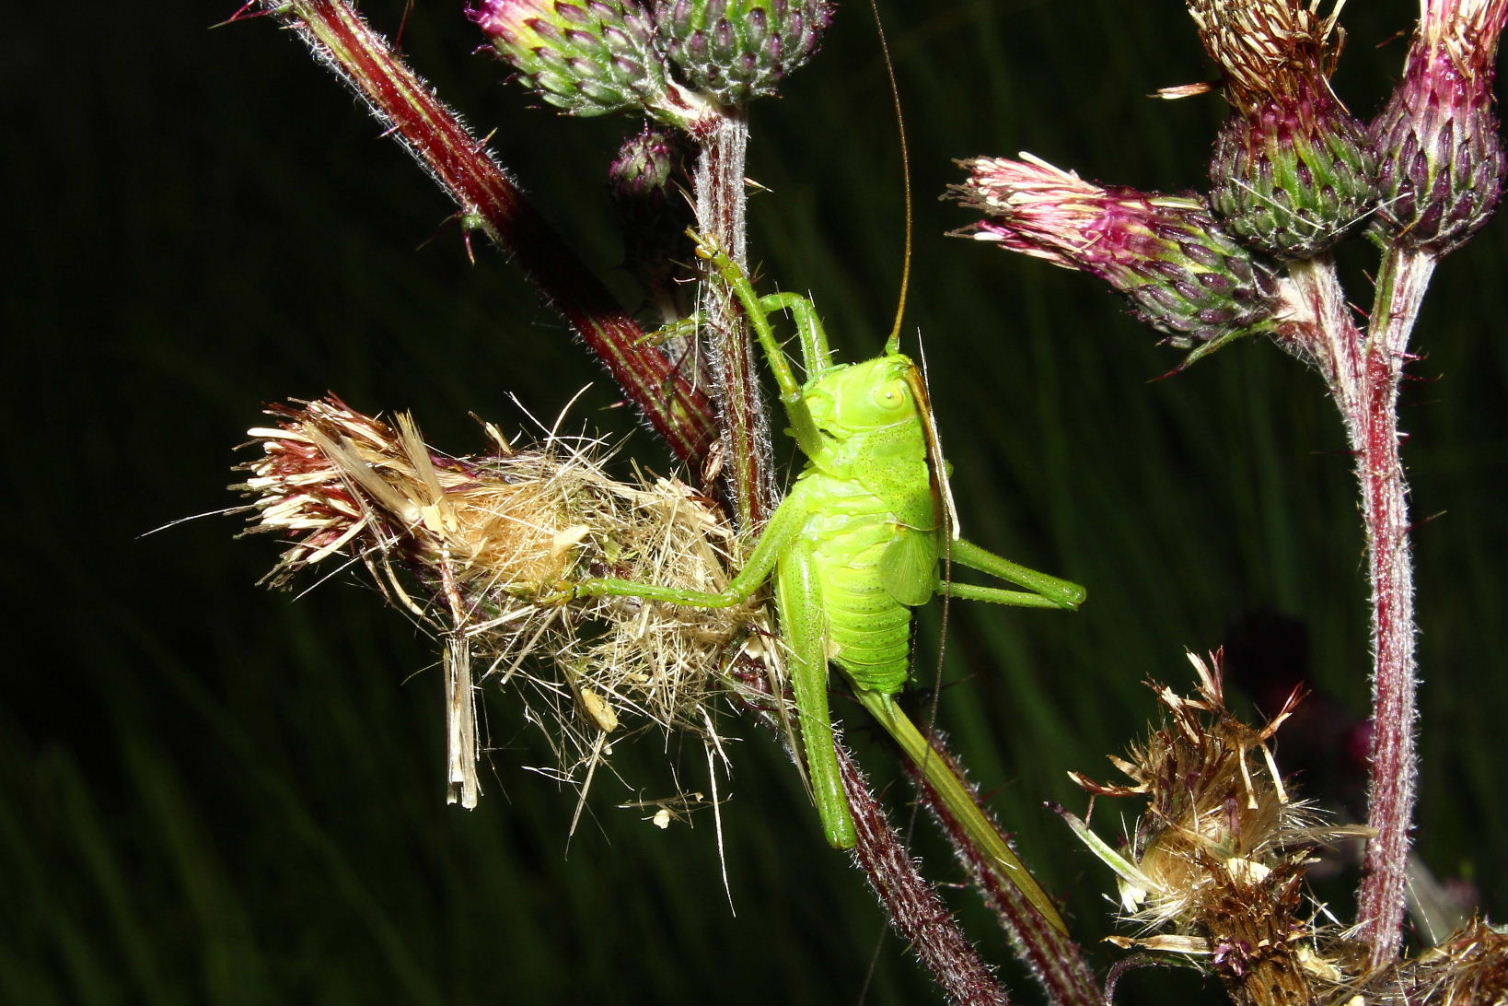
(211, 792)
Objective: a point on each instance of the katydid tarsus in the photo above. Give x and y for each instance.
(855, 545)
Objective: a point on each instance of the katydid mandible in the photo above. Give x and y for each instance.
(853, 547)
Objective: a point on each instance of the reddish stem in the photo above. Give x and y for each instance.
(462, 165)
(1055, 960)
(1364, 375)
(744, 428)
(1401, 286)
(916, 911)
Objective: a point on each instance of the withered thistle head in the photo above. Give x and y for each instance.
(588, 57)
(465, 544)
(1217, 860)
(1292, 169)
(1467, 967)
(1180, 270)
(1439, 142)
(736, 50)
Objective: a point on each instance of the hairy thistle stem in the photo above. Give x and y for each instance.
(720, 212)
(459, 161)
(917, 913)
(1363, 374)
(1401, 286)
(1055, 960)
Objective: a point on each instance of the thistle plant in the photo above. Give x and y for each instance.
(1440, 174)
(1293, 172)
(1179, 269)
(1216, 863)
(486, 550)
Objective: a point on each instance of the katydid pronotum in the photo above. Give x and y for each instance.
(853, 547)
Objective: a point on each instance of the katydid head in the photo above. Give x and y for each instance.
(858, 398)
(866, 419)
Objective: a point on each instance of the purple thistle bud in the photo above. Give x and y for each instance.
(1180, 270)
(736, 50)
(1440, 150)
(1293, 170)
(644, 166)
(643, 184)
(589, 57)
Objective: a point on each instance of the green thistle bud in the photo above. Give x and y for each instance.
(589, 57)
(1182, 273)
(1441, 158)
(735, 50)
(1293, 171)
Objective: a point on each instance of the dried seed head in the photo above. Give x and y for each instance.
(1293, 171)
(465, 544)
(1180, 270)
(1217, 861)
(588, 57)
(1469, 966)
(737, 50)
(1440, 148)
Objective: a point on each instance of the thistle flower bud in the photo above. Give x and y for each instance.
(1438, 140)
(1293, 170)
(736, 50)
(642, 171)
(1179, 269)
(589, 57)
(642, 184)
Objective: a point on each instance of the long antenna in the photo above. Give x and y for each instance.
(893, 343)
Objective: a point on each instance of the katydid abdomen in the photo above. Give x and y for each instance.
(868, 630)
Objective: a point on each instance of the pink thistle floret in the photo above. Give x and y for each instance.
(1167, 254)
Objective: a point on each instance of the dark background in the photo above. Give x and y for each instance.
(212, 792)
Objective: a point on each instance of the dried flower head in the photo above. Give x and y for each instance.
(1468, 967)
(1217, 861)
(1292, 169)
(737, 50)
(464, 544)
(1440, 148)
(1180, 270)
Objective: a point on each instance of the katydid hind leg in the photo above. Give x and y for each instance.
(996, 595)
(803, 626)
(1058, 593)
